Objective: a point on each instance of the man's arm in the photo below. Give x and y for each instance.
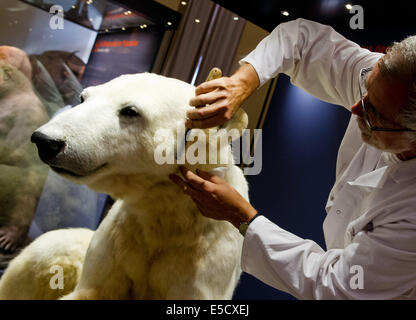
(317, 58)
(377, 264)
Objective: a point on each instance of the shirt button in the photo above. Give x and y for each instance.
(338, 211)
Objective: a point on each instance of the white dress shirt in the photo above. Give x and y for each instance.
(370, 228)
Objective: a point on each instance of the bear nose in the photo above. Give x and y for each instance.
(48, 147)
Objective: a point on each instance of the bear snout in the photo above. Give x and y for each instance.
(48, 148)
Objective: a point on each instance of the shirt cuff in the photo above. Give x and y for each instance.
(262, 80)
(246, 243)
(250, 255)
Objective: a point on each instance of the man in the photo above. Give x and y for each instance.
(370, 226)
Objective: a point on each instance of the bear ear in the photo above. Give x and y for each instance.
(238, 122)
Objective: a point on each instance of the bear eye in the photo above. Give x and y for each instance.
(81, 98)
(129, 112)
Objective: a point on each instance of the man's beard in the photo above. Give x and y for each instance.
(368, 137)
(365, 132)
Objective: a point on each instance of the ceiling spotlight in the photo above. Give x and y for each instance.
(143, 26)
(197, 20)
(123, 29)
(285, 13)
(169, 23)
(183, 3)
(235, 18)
(348, 6)
(73, 7)
(106, 30)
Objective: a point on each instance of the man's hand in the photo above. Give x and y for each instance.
(217, 100)
(214, 197)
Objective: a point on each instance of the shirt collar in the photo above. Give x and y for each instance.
(400, 172)
(404, 171)
(373, 179)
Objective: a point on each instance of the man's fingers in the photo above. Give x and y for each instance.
(202, 113)
(186, 188)
(209, 86)
(209, 176)
(182, 184)
(214, 121)
(195, 181)
(200, 178)
(207, 98)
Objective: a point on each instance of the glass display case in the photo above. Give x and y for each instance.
(49, 51)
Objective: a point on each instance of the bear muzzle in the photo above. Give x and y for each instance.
(52, 152)
(48, 148)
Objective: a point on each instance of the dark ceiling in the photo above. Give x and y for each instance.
(397, 14)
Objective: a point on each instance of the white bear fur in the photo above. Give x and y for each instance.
(154, 243)
(28, 276)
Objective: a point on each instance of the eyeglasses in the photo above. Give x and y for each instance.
(362, 82)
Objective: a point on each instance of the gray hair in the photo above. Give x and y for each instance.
(400, 63)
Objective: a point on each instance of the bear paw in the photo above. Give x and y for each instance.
(11, 237)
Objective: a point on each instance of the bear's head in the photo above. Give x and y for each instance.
(12, 80)
(116, 131)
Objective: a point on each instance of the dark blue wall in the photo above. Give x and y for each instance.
(301, 136)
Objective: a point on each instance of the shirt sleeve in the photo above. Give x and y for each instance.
(317, 58)
(378, 264)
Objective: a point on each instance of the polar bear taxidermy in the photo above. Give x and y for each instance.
(153, 243)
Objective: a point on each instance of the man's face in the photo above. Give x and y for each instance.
(384, 99)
